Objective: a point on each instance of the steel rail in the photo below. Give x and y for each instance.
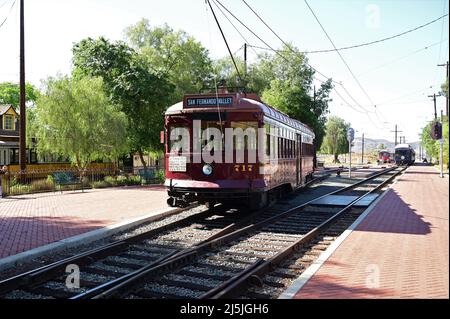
(258, 269)
(184, 257)
(39, 275)
(230, 228)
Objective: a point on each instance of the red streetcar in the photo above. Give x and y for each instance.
(207, 126)
(384, 157)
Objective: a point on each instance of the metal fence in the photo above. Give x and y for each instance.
(37, 181)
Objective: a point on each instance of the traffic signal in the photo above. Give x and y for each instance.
(436, 131)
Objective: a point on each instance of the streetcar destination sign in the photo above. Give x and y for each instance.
(209, 101)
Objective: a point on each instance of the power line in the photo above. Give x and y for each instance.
(237, 30)
(369, 43)
(9, 13)
(339, 53)
(251, 31)
(407, 95)
(4, 2)
(289, 47)
(402, 57)
(265, 43)
(225, 39)
(259, 17)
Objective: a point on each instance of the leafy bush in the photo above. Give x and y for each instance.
(50, 179)
(134, 180)
(121, 180)
(111, 180)
(100, 184)
(18, 189)
(161, 176)
(42, 185)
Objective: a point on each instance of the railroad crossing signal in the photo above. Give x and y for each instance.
(436, 131)
(350, 138)
(350, 135)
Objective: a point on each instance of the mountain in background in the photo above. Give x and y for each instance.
(371, 145)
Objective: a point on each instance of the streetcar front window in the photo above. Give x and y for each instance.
(179, 139)
(245, 135)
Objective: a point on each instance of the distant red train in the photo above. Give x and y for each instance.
(384, 157)
(285, 163)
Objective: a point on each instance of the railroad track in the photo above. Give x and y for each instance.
(112, 263)
(235, 263)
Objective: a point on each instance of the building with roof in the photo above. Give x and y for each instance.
(9, 137)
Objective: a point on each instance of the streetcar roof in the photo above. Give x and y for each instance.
(399, 146)
(238, 102)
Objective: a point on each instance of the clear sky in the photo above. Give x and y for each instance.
(396, 74)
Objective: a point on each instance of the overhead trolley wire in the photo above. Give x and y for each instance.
(339, 53)
(9, 13)
(237, 30)
(225, 39)
(289, 47)
(371, 42)
(287, 60)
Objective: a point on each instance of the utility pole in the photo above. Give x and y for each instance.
(434, 100)
(446, 101)
(315, 146)
(245, 59)
(362, 155)
(396, 134)
(23, 122)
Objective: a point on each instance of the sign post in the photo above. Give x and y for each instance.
(441, 159)
(350, 138)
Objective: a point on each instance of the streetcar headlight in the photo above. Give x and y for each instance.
(207, 169)
(403, 157)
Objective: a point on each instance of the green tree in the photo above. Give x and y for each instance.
(335, 141)
(75, 119)
(141, 95)
(175, 55)
(444, 88)
(10, 94)
(286, 83)
(430, 145)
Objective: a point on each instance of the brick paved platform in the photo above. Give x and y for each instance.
(400, 250)
(31, 221)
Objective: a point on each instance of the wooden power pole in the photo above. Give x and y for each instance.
(23, 122)
(396, 134)
(446, 100)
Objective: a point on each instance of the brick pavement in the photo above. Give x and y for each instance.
(400, 250)
(31, 221)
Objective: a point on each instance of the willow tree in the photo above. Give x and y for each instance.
(129, 83)
(75, 119)
(335, 141)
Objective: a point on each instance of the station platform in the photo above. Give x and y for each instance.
(400, 249)
(31, 221)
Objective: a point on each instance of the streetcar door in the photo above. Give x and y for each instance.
(298, 150)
